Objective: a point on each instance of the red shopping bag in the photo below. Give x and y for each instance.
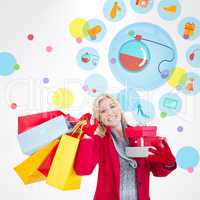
(29, 121)
(46, 164)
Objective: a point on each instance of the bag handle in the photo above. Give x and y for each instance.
(80, 126)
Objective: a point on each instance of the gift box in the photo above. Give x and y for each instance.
(145, 141)
(137, 152)
(139, 131)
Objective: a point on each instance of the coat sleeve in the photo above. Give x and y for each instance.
(87, 156)
(159, 169)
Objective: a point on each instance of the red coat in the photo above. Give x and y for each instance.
(102, 151)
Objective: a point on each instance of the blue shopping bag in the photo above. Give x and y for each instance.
(35, 138)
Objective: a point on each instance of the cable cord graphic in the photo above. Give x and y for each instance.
(164, 73)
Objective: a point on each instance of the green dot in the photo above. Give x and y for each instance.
(163, 114)
(16, 66)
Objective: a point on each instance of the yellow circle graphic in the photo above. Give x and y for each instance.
(63, 98)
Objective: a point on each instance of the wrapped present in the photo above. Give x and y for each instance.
(36, 137)
(147, 141)
(139, 131)
(61, 174)
(28, 169)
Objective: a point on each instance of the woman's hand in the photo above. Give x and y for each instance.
(89, 128)
(162, 154)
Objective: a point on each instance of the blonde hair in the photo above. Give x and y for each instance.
(101, 129)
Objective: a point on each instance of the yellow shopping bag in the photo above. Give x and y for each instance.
(62, 174)
(27, 170)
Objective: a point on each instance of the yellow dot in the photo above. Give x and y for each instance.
(177, 77)
(76, 28)
(63, 98)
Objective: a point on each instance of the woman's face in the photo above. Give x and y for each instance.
(110, 112)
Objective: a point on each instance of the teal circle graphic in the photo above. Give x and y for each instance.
(169, 9)
(134, 59)
(191, 84)
(170, 103)
(94, 30)
(142, 6)
(7, 63)
(187, 157)
(193, 55)
(95, 85)
(144, 112)
(114, 10)
(87, 58)
(189, 28)
(128, 99)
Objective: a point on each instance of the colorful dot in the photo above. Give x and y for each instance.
(45, 80)
(113, 61)
(49, 49)
(190, 169)
(16, 66)
(13, 106)
(78, 40)
(30, 36)
(178, 87)
(85, 88)
(179, 128)
(163, 114)
(63, 98)
(94, 90)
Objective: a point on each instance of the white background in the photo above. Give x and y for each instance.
(48, 20)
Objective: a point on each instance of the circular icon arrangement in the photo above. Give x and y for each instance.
(94, 30)
(189, 28)
(144, 112)
(142, 6)
(87, 58)
(8, 64)
(170, 104)
(114, 10)
(134, 58)
(94, 85)
(169, 9)
(128, 99)
(193, 55)
(187, 158)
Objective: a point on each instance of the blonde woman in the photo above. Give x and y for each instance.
(119, 177)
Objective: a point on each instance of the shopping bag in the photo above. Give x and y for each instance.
(27, 122)
(46, 164)
(62, 174)
(35, 138)
(27, 170)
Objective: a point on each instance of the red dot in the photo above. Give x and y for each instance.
(30, 36)
(49, 48)
(94, 90)
(13, 106)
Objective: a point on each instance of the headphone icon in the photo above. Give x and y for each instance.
(164, 73)
(193, 54)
